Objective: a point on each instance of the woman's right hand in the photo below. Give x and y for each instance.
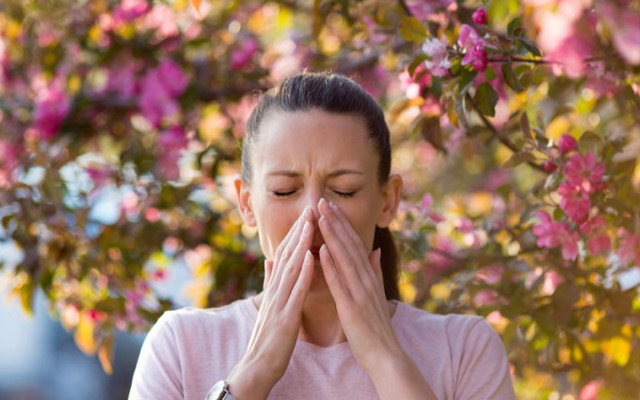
(286, 284)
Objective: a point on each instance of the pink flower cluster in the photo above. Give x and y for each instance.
(583, 177)
(424, 9)
(51, 108)
(552, 234)
(474, 48)
(171, 143)
(160, 89)
(438, 63)
(629, 247)
(241, 57)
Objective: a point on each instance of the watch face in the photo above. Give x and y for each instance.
(217, 391)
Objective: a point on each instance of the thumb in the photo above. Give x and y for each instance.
(268, 268)
(375, 258)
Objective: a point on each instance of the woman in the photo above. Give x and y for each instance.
(316, 183)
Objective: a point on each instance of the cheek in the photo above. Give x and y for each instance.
(363, 220)
(273, 227)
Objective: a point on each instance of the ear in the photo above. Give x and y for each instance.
(244, 202)
(391, 195)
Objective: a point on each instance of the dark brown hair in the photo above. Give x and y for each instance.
(337, 94)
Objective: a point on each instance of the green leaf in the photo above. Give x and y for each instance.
(589, 141)
(518, 158)
(413, 30)
(530, 45)
(466, 79)
(510, 77)
(432, 132)
(486, 99)
(416, 61)
(490, 74)
(524, 126)
(514, 24)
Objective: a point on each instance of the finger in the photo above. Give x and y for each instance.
(375, 260)
(291, 267)
(335, 283)
(286, 247)
(352, 249)
(301, 287)
(348, 230)
(343, 261)
(268, 269)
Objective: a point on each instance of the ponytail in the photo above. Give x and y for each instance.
(388, 262)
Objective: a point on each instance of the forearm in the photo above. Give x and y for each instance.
(246, 382)
(396, 377)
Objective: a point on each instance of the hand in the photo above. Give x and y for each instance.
(286, 284)
(354, 278)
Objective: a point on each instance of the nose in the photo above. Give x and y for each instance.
(311, 201)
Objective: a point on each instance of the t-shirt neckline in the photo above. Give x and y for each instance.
(310, 348)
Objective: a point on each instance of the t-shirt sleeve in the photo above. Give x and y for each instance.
(158, 371)
(483, 373)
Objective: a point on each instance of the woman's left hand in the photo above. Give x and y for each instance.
(354, 278)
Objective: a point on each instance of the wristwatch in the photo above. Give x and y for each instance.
(220, 391)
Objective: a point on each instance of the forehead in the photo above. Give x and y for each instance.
(314, 140)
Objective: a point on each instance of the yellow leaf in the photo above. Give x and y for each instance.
(196, 4)
(83, 335)
(617, 349)
(105, 355)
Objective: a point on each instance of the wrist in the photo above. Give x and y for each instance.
(247, 382)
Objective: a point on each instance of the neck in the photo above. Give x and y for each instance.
(320, 324)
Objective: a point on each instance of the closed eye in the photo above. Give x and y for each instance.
(341, 194)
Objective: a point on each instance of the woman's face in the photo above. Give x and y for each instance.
(303, 156)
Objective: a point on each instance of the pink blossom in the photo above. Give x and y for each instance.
(629, 242)
(438, 258)
(485, 298)
(171, 143)
(552, 234)
(375, 80)
(491, 275)
(567, 143)
(624, 23)
(551, 281)
(557, 35)
(584, 172)
(122, 80)
(601, 81)
(425, 209)
(423, 9)
(474, 46)
(374, 36)
(163, 20)
(99, 175)
(9, 154)
(438, 63)
(128, 10)
(242, 56)
(549, 166)
(574, 202)
(159, 88)
(172, 77)
(598, 240)
(51, 107)
(479, 16)
(239, 113)
(591, 389)
(413, 85)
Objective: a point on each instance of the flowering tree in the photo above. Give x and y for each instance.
(515, 124)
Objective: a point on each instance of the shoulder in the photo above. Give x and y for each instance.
(194, 320)
(453, 325)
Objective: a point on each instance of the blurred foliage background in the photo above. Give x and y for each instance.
(515, 125)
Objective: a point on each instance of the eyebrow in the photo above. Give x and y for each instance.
(294, 174)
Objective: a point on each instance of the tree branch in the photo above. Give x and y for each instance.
(504, 140)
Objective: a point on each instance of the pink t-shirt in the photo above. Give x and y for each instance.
(188, 350)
